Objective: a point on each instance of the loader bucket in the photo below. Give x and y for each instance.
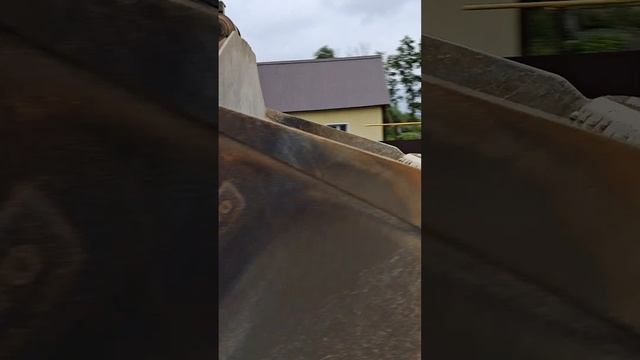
(107, 180)
(319, 233)
(319, 247)
(531, 246)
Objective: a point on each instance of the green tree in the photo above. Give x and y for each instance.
(392, 84)
(324, 52)
(403, 78)
(395, 115)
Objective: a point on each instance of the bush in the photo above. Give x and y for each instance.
(409, 132)
(601, 42)
(411, 135)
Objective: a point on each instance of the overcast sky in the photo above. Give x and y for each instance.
(295, 29)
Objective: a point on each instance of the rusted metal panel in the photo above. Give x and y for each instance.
(343, 137)
(162, 50)
(476, 309)
(107, 199)
(386, 184)
(307, 270)
(495, 76)
(521, 189)
(535, 89)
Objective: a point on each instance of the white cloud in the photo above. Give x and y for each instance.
(373, 9)
(296, 29)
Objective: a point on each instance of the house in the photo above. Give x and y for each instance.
(347, 93)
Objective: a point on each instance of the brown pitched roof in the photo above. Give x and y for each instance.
(337, 83)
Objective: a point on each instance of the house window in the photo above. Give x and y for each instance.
(339, 126)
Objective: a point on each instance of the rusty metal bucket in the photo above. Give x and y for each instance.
(319, 238)
(319, 247)
(531, 245)
(107, 180)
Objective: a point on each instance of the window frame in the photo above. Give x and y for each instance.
(346, 126)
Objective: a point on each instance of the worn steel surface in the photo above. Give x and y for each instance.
(226, 27)
(238, 83)
(319, 247)
(384, 183)
(343, 137)
(553, 206)
(477, 309)
(493, 75)
(107, 203)
(161, 50)
(532, 88)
